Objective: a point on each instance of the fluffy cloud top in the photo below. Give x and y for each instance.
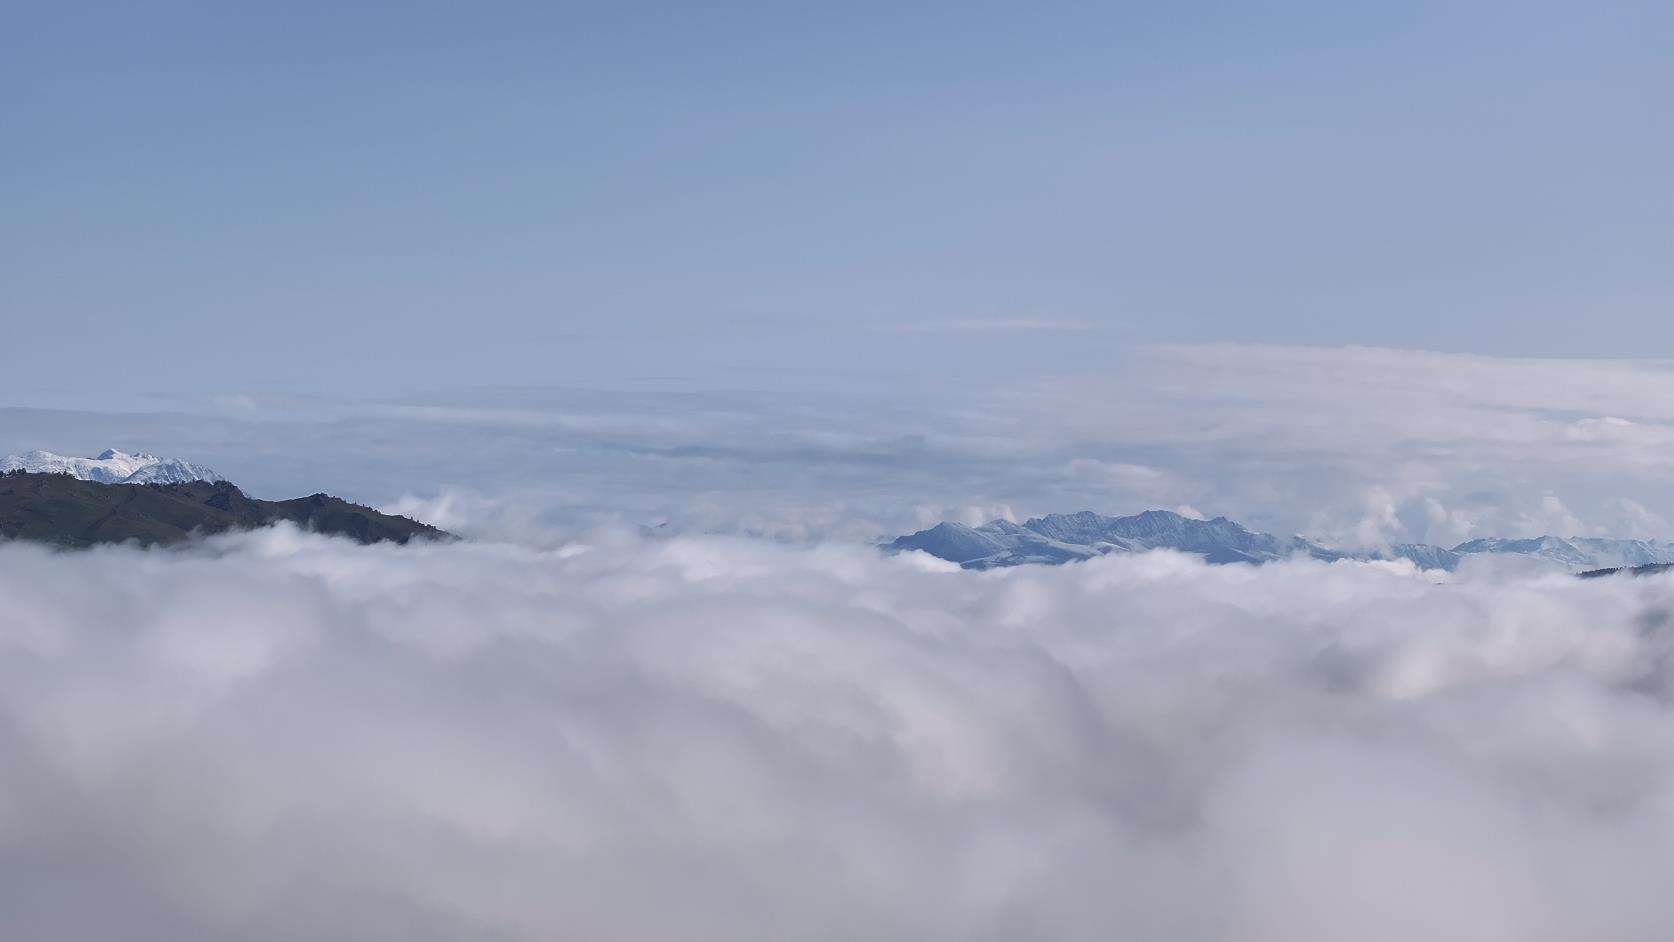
(280, 736)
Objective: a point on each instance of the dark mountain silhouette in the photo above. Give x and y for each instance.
(65, 511)
(1650, 570)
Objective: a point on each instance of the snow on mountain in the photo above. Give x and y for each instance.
(999, 543)
(1578, 552)
(1061, 538)
(111, 467)
(1424, 555)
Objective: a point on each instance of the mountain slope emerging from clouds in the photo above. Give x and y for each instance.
(67, 511)
(1061, 538)
(111, 467)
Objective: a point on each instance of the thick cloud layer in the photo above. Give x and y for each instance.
(282, 737)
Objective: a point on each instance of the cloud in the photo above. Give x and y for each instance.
(235, 402)
(1552, 517)
(1637, 522)
(1290, 440)
(984, 325)
(282, 736)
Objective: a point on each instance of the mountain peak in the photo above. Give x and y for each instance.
(111, 467)
(1058, 538)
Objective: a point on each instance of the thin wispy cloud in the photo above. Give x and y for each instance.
(986, 325)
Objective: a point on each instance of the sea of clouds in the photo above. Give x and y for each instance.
(1355, 447)
(281, 736)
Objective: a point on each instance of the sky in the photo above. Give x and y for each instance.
(396, 199)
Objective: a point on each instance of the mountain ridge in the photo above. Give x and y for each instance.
(66, 511)
(1060, 538)
(111, 467)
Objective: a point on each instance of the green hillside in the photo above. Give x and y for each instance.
(65, 511)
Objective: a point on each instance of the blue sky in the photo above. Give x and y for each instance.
(367, 199)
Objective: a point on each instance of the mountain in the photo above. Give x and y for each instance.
(1061, 538)
(72, 512)
(1423, 555)
(111, 467)
(1579, 552)
(1650, 570)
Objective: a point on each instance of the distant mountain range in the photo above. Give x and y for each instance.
(68, 511)
(85, 501)
(1062, 538)
(111, 467)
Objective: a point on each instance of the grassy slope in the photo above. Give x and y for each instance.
(59, 509)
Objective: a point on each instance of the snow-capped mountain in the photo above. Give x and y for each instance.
(1062, 538)
(111, 467)
(1578, 552)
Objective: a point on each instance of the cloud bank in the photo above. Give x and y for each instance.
(1357, 447)
(280, 736)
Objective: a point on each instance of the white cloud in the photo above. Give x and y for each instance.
(281, 736)
(1116, 474)
(1636, 521)
(1551, 516)
(1587, 430)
